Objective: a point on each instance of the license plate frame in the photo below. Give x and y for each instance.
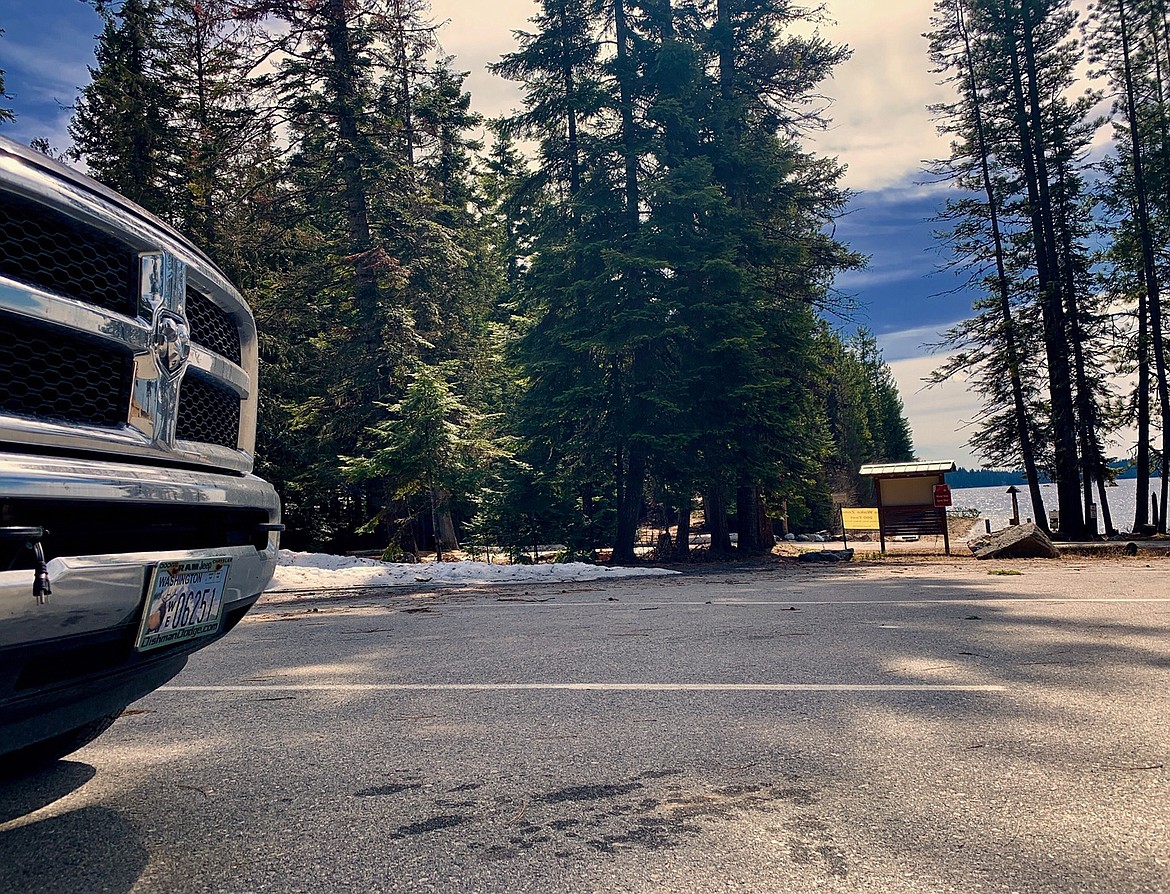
(184, 602)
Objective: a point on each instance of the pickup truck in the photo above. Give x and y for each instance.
(132, 530)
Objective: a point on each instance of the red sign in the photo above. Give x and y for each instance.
(942, 496)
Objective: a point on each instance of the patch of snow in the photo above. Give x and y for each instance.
(316, 571)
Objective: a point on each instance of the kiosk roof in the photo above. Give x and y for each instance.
(904, 470)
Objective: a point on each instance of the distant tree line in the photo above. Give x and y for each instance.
(463, 342)
(1068, 250)
(964, 477)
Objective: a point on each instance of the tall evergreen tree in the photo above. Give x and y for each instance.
(6, 114)
(121, 126)
(390, 271)
(224, 152)
(1128, 40)
(674, 290)
(1021, 147)
(979, 237)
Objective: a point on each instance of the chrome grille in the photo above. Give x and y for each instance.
(208, 412)
(50, 373)
(44, 248)
(80, 341)
(212, 327)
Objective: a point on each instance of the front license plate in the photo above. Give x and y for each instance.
(184, 601)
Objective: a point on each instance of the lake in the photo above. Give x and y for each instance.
(996, 504)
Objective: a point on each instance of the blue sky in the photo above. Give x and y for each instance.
(881, 131)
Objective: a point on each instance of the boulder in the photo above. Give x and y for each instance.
(826, 555)
(1015, 542)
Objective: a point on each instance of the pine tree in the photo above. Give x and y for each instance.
(673, 285)
(223, 140)
(1129, 42)
(1021, 145)
(427, 449)
(121, 126)
(890, 430)
(6, 114)
(993, 347)
(357, 218)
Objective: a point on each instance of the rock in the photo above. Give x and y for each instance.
(826, 555)
(1015, 542)
(791, 538)
(817, 538)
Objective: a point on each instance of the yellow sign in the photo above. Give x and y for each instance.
(859, 519)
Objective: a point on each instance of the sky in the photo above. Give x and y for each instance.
(881, 130)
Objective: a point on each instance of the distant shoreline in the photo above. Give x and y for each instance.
(964, 477)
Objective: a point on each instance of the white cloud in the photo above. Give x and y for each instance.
(910, 343)
(882, 129)
(478, 34)
(939, 416)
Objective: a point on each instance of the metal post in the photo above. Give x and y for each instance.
(1014, 491)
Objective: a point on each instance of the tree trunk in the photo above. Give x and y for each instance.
(1087, 436)
(343, 79)
(633, 477)
(1012, 348)
(747, 519)
(682, 538)
(1030, 126)
(570, 104)
(767, 534)
(445, 524)
(629, 509)
(1152, 302)
(1141, 516)
(726, 44)
(625, 91)
(715, 512)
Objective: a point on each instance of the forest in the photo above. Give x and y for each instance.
(621, 299)
(1065, 244)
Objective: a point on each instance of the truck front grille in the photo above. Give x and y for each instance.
(64, 367)
(208, 412)
(44, 248)
(212, 327)
(47, 372)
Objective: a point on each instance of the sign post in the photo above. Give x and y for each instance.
(942, 499)
(859, 520)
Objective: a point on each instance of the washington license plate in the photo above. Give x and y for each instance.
(184, 601)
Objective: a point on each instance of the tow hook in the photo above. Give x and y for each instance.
(32, 538)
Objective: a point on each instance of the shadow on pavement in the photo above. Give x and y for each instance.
(92, 848)
(28, 792)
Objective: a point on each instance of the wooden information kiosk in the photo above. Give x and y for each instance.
(912, 499)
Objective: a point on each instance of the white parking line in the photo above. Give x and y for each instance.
(970, 600)
(584, 687)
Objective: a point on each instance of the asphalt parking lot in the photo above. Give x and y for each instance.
(891, 727)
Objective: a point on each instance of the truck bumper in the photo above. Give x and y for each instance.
(73, 659)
